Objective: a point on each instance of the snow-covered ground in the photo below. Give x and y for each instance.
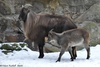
(30, 59)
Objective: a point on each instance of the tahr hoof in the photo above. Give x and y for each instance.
(41, 56)
(58, 61)
(88, 57)
(72, 59)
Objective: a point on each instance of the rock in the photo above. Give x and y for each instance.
(76, 7)
(51, 48)
(38, 7)
(93, 29)
(59, 10)
(3, 24)
(10, 47)
(93, 13)
(15, 5)
(14, 37)
(9, 31)
(4, 8)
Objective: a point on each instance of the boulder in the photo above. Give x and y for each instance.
(94, 30)
(4, 8)
(93, 14)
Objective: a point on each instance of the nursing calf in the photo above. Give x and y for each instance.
(69, 39)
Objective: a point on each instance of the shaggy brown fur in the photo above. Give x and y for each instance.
(37, 26)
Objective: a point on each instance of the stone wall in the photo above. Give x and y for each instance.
(85, 13)
(9, 9)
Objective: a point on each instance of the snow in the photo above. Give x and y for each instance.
(30, 59)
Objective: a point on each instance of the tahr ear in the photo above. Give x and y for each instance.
(50, 32)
